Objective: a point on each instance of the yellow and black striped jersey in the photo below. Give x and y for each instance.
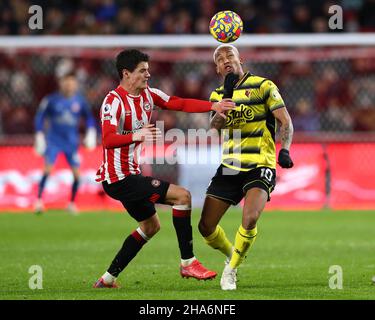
(249, 131)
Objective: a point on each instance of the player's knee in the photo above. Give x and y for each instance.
(151, 229)
(155, 229)
(205, 229)
(184, 198)
(251, 218)
(76, 175)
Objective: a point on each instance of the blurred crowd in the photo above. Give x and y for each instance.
(321, 95)
(181, 16)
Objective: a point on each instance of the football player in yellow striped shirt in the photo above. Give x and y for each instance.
(248, 166)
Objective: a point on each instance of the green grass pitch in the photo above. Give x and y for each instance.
(290, 259)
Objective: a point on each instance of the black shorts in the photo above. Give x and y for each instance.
(231, 185)
(138, 194)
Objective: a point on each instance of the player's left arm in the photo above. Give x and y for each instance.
(90, 136)
(277, 106)
(286, 127)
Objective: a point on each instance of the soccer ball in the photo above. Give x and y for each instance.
(226, 26)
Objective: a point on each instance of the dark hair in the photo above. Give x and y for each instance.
(129, 60)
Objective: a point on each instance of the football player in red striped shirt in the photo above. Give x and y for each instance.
(125, 118)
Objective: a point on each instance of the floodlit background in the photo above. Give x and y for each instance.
(327, 79)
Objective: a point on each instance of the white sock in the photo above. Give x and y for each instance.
(187, 262)
(108, 278)
(228, 267)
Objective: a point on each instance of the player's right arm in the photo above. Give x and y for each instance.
(230, 80)
(40, 144)
(41, 114)
(110, 114)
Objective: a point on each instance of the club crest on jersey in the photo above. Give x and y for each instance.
(75, 107)
(247, 93)
(147, 106)
(155, 183)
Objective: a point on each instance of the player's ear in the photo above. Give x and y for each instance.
(217, 69)
(125, 73)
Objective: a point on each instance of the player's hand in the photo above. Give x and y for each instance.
(230, 81)
(223, 106)
(147, 133)
(40, 144)
(284, 159)
(90, 139)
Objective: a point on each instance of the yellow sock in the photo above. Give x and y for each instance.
(218, 240)
(243, 242)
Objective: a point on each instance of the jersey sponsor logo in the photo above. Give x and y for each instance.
(236, 117)
(75, 107)
(139, 124)
(147, 106)
(66, 118)
(155, 183)
(129, 131)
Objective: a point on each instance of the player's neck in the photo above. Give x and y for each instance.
(130, 89)
(241, 73)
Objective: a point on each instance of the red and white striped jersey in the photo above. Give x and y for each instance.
(121, 114)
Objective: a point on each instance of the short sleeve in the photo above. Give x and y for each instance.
(272, 95)
(214, 97)
(109, 110)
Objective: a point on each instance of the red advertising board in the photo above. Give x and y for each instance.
(303, 187)
(20, 172)
(337, 175)
(353, 175)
